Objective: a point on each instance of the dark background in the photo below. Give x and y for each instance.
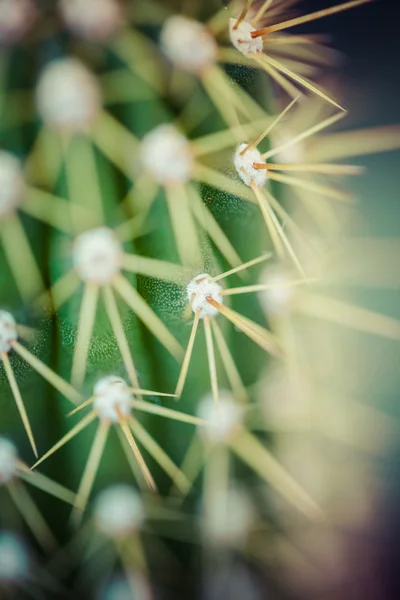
(369, 38)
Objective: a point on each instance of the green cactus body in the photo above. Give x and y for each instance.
(171, 166)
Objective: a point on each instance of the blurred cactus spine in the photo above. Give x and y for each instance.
(144, 160)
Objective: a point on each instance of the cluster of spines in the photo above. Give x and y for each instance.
(70, 106)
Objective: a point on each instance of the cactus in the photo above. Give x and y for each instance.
(164, 173)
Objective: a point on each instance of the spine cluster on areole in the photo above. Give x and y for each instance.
(171, 163)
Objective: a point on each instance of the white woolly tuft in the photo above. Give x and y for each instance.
(12, 185)
(118, 511)
(278, 298)
(112, 393)
(188, 44)
(95, 20)
(97, 255)
(222, 420)
(68, 96)
(167, 155)
(8, 331)
(8, 461)
(14, 559)
(241, 37)
(197, 291)
(244, 166)
(16, 18)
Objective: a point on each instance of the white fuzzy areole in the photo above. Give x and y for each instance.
(68, 96)
(8, 331)
(8, 461)
(197, 291)
(241, 37)
(166, 154)
(95, 20)
(16, 17)
(276, 300)
(222, 420)
(97, 256)
(118, 511)
(12, 185)
(112, 393)
(244, 166)
(188, 44)
(14, 559)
